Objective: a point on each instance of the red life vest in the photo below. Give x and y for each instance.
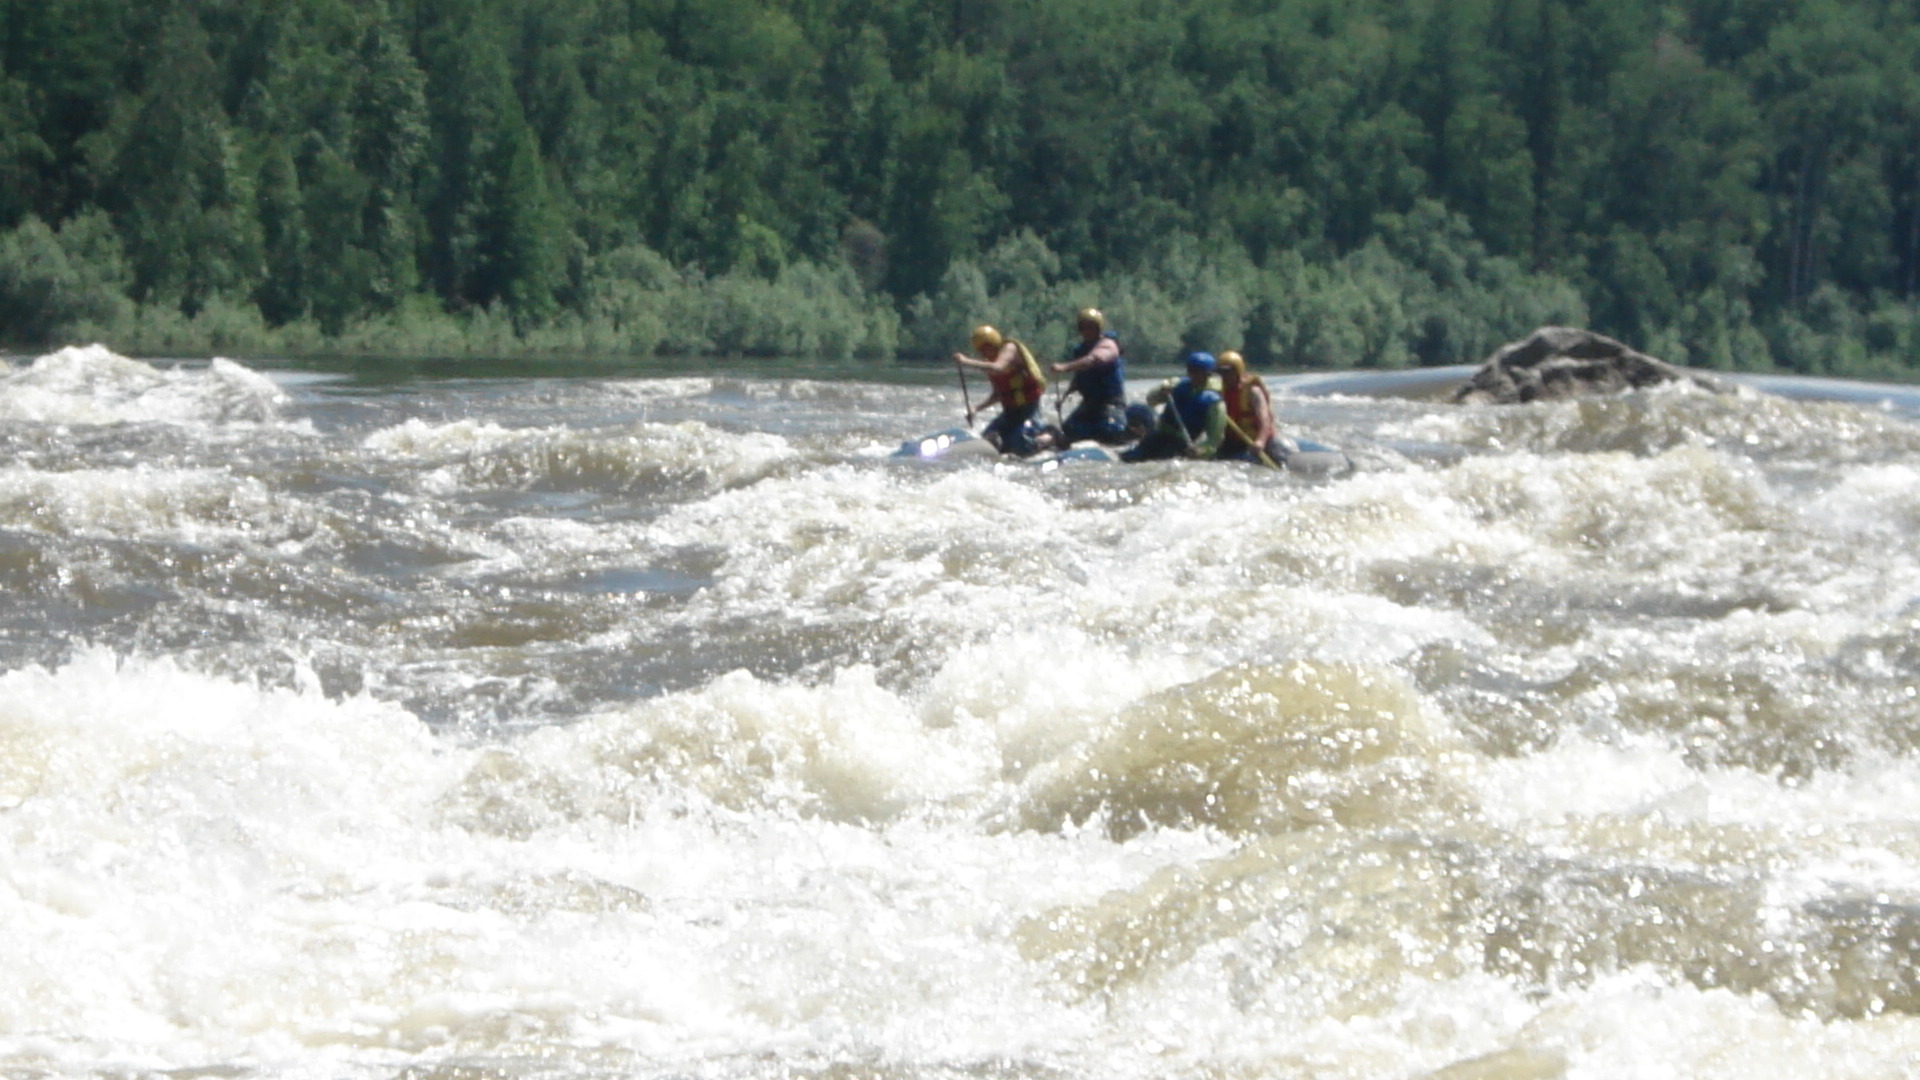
(1240, 404)
(1023, 385)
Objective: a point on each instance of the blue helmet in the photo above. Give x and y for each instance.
(1202, 360)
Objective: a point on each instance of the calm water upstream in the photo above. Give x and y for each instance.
(615, 726)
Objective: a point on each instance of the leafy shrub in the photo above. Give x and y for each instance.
(1013, 287)
(52, 282)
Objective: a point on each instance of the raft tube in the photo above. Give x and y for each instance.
(959, 444)
(953, 444)
(1078, 452)
(1303, 457)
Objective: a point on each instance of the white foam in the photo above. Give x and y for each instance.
(93, 385)
(467, 455)
(204, 506)
(198, 870)
(199, 873)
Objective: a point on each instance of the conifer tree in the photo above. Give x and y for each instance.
(172, 176)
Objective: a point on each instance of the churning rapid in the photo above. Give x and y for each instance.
(670, 727)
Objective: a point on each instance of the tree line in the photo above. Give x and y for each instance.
(1731, 183)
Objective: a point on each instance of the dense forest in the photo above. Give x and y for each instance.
(1320, 183)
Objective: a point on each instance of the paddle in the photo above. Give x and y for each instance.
(1180, 422)
(1257, 448)
(1059, 415)
(965, 395)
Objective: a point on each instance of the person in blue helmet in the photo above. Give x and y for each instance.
(1193, 419)
(1099, 370)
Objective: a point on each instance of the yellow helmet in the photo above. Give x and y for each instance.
(1233, 361)
(1091, 315)
(986, 339)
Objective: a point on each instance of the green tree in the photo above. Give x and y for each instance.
(390, 145)
(1821, 76)
(22, 152)
(1694, 138)
(495, 236)
(70, 58)
(946, 199)
(284, 291)
(171, 174)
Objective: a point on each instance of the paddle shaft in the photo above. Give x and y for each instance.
(1265, 458)
(966, 396)
(1180, 422)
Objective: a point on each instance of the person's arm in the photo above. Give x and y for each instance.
(1104, 351)
(966, 361)
(1004, 363)
(1004, 360)
(1263, 417)
(1216, 431)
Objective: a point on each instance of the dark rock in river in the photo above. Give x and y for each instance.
(1561, 362)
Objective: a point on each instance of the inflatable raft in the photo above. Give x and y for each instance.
(1301, 457)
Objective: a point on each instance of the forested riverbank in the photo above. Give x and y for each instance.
(1726, 183)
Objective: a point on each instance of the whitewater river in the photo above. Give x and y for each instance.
(618, 726)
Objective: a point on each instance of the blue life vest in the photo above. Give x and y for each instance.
(1105, 382)
(1192, 404)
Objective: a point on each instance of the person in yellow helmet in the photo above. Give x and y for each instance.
(1018, 388)
(1250, 428)
(1099, 370)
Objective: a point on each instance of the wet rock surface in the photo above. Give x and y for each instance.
(1557, 362)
